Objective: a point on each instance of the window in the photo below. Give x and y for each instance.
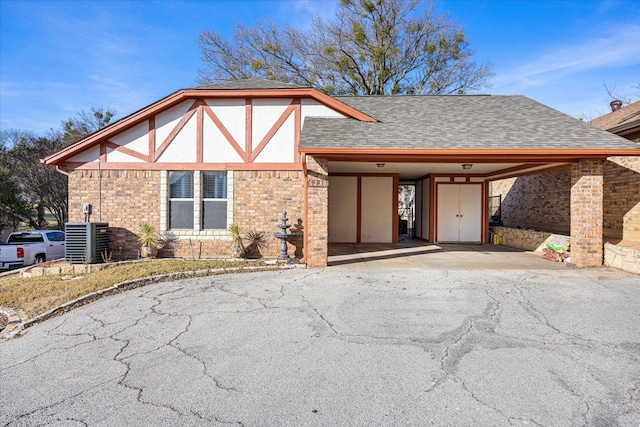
(198, 201)
(181, 200)
(214, 200)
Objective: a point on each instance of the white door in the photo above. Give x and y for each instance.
(459, 213)
(470, 213)
(448, 213)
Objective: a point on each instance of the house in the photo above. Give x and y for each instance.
(623, 121)
(244, 151)
(542, 201)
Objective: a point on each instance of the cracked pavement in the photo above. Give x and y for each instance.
(338, 346)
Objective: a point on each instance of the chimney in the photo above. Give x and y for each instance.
(615, 105)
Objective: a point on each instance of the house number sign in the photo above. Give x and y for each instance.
(318, 183)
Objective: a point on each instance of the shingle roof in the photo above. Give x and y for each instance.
(463, 121)
(254, 83)
(624, 116)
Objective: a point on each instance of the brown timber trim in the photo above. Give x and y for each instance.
(395, 220)
(248, 106)
(276, 126)
(327, 100)
(152, 139)
(186, 94)
(297, 126)
(363, 174)
(534, 172)
(512, 169)
(199, 134)
(183, 166)
(224, 131)
(174, 132)
(125, 150)
(485, 212)
(485, 155)
(305, 210)
(432, 210)
(358, 208)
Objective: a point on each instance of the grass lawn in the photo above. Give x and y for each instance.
(37, 295)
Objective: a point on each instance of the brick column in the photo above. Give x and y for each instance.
(586, 213)
(317, 228)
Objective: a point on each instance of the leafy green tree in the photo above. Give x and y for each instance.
(371, 47)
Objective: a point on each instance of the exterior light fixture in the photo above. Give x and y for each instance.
(466, 166)
(380, 165)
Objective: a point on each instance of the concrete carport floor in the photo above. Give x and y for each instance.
(338, 346)
(413, 253)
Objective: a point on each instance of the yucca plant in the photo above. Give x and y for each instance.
(237, 248)
(149, 239)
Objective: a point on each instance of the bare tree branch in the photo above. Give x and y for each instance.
(371, 47)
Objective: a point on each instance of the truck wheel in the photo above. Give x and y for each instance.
(40, 258)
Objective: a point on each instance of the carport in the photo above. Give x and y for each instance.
(450, 148)
(416, 253)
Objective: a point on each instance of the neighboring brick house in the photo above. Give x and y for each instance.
(542, 201)
(243, 151)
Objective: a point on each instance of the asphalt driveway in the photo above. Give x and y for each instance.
(341, 346)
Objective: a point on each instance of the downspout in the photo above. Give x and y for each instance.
(63, 172)
(305, 212)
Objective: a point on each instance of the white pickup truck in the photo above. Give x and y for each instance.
(24, 248)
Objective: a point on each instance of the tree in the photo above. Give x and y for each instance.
(86, 123)
(370, 48)
(38, 184)
(14, 206)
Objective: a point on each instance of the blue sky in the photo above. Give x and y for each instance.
(60, 57)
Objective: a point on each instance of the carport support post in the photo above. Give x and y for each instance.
(317, 227)
(586, 213)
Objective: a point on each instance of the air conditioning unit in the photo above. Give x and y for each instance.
(86, 242)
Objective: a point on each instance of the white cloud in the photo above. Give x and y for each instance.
(619, 48)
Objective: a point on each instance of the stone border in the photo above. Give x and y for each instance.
(16, 317)
(622, 257)
(18, 320)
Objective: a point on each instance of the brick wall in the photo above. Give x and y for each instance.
(260, 197)
(124, 199)
(586, 213)
(318, 211)
(622, 198)
(131, 198)
(542, 201)
(539, 202)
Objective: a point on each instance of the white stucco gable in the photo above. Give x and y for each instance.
(207, 129)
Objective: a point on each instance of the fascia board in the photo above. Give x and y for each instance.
(477, 155)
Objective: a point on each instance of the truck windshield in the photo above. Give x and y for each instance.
(25, 238)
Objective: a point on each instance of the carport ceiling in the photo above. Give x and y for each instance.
(410, 171)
